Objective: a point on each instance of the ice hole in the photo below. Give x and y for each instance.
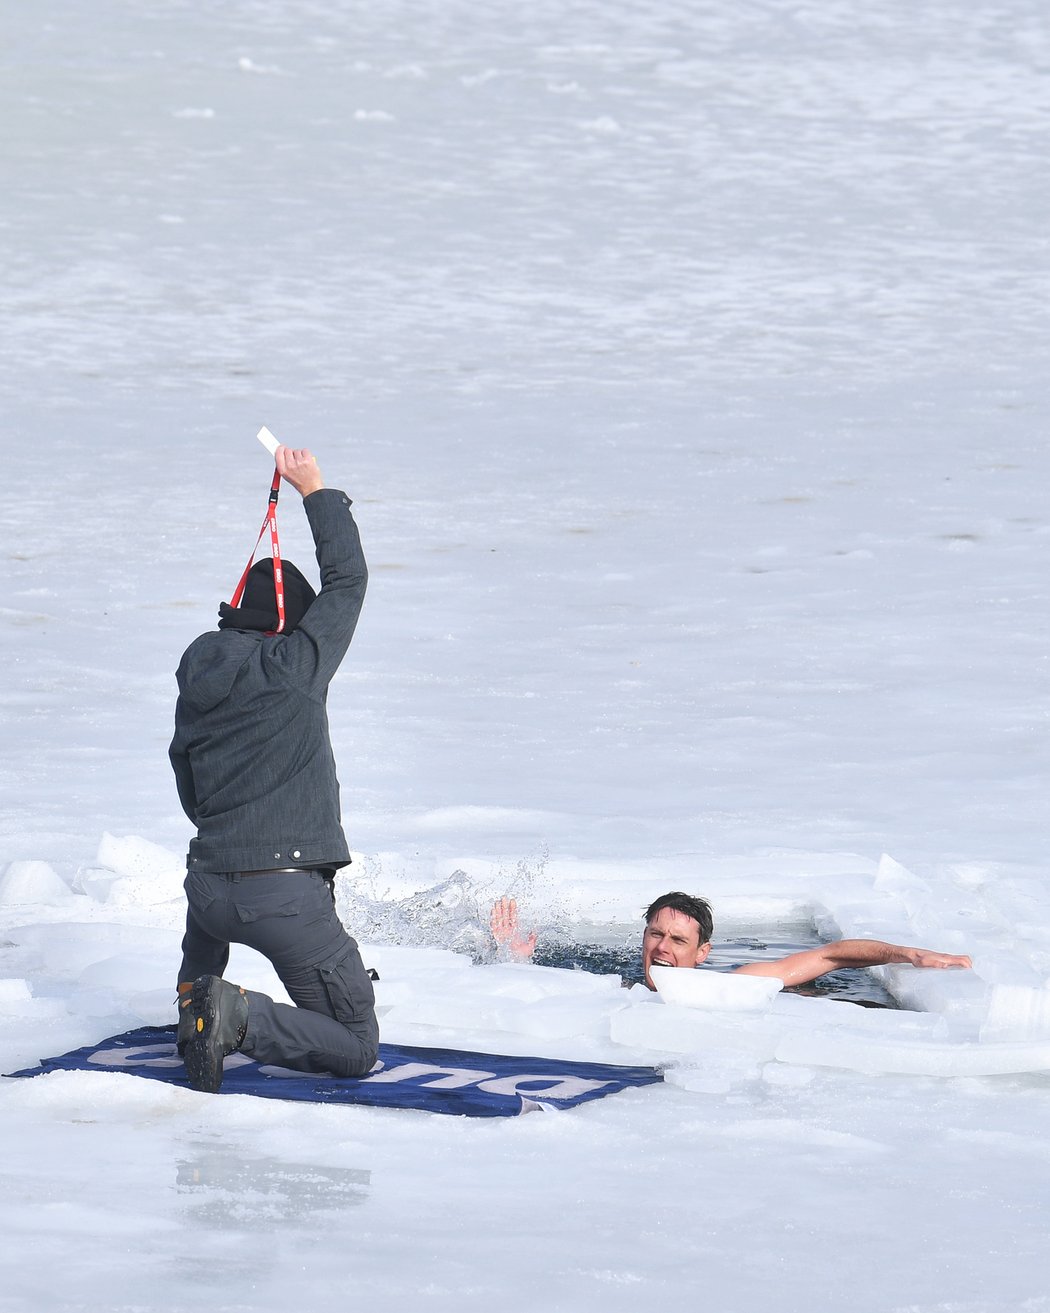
(454, 914)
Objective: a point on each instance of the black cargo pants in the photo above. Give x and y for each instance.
(290, 918)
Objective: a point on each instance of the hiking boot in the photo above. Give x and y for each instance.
(220, 1019)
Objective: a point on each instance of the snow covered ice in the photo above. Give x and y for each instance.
(686, 364)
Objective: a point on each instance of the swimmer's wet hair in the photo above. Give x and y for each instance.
(698, 908)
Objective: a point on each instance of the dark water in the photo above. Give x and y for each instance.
(853, 985)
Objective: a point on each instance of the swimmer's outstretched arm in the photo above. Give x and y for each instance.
(798, 968)
(503, 921)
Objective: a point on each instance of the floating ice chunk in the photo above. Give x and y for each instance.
(542, 1002)
(833, 1027)
(566, 1018)
(876, 1055)
(1003, 965)
(373, 116)
(148, 873)
(1017, 1012)
(62, 952)
(716, 990)
(95, 882)
(133, 856)
(538, 1019)
(952, 993)
(970, 875)
(673, 1029)
(799, 1010)
(892, 877)
(33, 883)
(131, 970)
(527, 983)
(107, 1005)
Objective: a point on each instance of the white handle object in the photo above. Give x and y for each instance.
(268, 440)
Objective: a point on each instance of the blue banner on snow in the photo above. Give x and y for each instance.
(433, 1080)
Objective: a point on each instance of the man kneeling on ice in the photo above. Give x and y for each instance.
(255, 773)
(678, 929)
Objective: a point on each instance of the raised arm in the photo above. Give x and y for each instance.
(313, 651)
(798, 968)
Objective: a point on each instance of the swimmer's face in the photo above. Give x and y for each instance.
(671, 939)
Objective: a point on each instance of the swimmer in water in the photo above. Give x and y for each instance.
(678, 929)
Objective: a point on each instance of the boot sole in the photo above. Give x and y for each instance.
(203, 1056)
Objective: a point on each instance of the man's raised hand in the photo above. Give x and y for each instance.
(299, 468)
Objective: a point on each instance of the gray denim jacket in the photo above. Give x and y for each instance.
(252, 755)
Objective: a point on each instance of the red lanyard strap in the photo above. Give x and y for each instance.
(275, 545)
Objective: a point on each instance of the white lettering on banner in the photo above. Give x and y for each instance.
(449, 1078)
(165, 1055)
(454, 1078)
(559, 1087)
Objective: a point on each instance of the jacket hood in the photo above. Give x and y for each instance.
(211, 663)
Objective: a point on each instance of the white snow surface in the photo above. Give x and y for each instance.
(686, 363)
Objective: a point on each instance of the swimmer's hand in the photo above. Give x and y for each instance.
(503, 921)
(926, 957)
(299, 467)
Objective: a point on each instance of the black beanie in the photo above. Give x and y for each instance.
(258, 608)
